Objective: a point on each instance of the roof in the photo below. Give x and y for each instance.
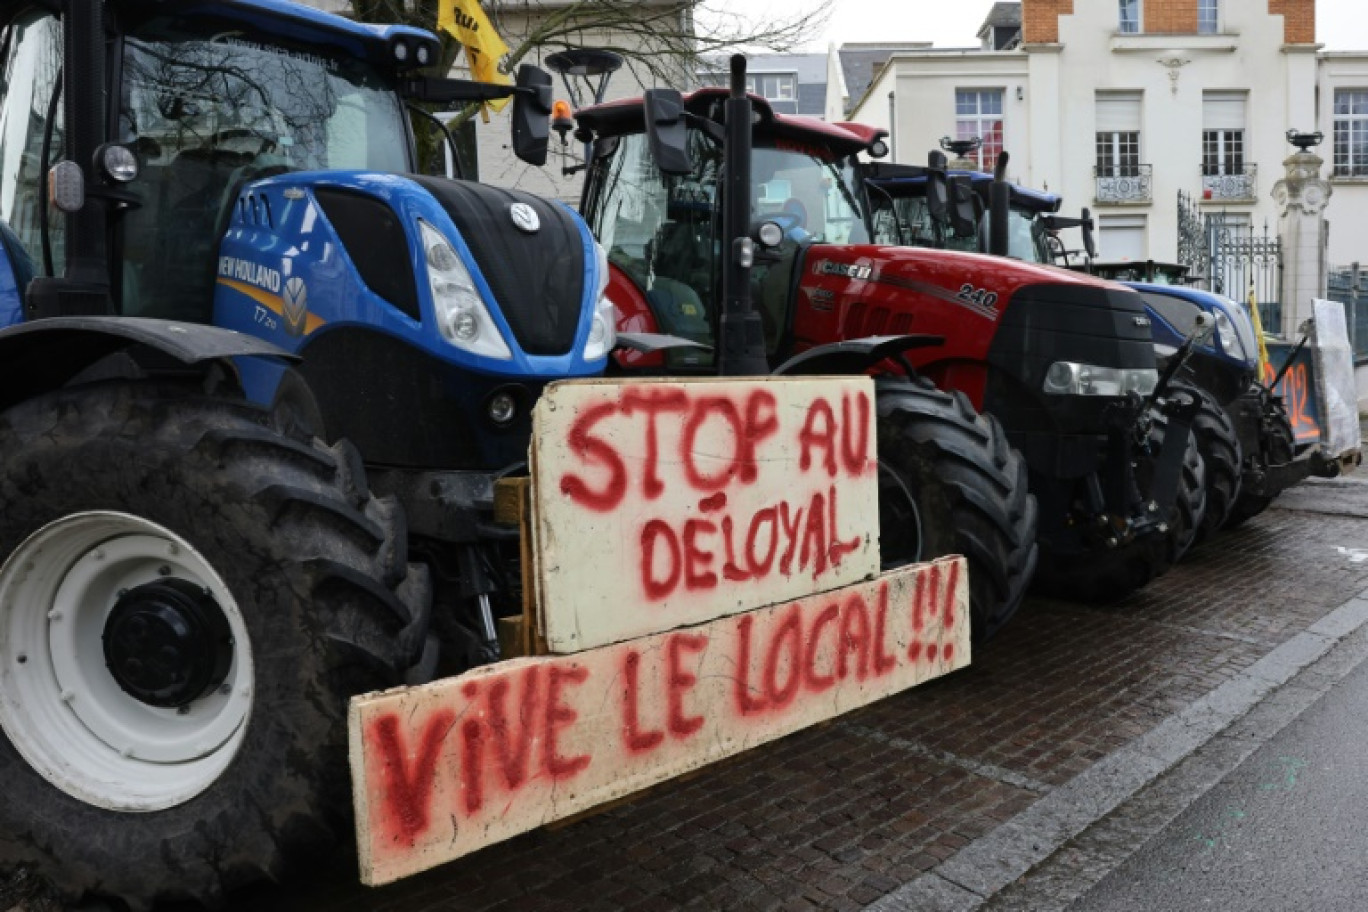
(859, 63)
(614, 118)
(810, 70)
(1002, 15)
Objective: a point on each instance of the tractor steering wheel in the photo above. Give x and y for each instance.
(224, 138)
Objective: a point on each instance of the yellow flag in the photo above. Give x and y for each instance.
(484, 48)
(1265, 365)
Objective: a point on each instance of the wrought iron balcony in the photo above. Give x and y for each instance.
(1234, 184)
(1126, 184)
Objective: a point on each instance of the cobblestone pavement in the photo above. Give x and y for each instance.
(839, 816)
(843, 815)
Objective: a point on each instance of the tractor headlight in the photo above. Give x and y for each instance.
(603, 329)
(1230, 339)
(1069, 378)
(462, 316)
(1242, 325)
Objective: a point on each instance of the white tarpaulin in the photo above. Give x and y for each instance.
(1334, 359)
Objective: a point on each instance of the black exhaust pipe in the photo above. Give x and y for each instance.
(741, 334)
(999, 205)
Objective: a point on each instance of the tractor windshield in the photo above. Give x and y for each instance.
(207, 112)
(901, 217)
(661, 230)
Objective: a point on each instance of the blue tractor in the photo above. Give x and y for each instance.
(258, 382)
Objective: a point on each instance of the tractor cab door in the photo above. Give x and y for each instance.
(661, 230)
(31, 139)
(810, 197)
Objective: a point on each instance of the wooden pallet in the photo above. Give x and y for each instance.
(521, 635)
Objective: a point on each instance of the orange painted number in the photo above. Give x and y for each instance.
(1296, 390)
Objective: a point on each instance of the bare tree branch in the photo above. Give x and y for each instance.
(663, 43)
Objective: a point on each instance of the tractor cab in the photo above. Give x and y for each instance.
(202, 98)
(662, 231)
(904, 211)
(202, 106)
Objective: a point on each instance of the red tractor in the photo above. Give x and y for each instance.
(989, 371)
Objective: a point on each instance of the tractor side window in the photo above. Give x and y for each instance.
(29, 76)
(658, 229)
(812, 200)
(1021, 242)
(915, 218)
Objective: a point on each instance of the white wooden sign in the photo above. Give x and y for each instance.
(663, 504)
(446, 768)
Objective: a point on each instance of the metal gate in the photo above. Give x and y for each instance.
(1224, 255)
(1346, 285)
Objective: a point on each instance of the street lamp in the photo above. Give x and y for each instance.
(585, 73)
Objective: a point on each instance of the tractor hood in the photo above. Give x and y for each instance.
(945, 274)
(1016, 318)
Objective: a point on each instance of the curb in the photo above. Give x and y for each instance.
(972, 876)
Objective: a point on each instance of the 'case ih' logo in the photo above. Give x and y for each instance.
(849, 270)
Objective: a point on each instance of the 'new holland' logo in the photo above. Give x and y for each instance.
(250, 272)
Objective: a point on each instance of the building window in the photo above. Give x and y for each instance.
(1118, 134)
(1351, 133)
(1118, 153)
(1129, 23)
(1208, 16)
(773, 86)
(1222, 152)
(1223, 140)
(978, 113)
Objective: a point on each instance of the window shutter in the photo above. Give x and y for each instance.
(1223, 111)
(1118, 112)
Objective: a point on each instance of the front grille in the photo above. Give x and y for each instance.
(537, 278)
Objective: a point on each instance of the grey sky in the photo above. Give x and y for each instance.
(1340, 24)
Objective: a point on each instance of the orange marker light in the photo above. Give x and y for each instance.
(562, 120)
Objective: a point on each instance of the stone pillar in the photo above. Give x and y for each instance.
(1301, 198)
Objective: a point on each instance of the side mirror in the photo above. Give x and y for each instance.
(667, 132)
(1089, 245)
(963, 212)
(532, 114)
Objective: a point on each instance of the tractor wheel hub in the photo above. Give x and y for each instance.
(167, 643)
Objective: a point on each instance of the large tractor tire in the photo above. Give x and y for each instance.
(1107, 574)
(1222, 459)
(949, 483)
(1281, 448)
(187, 601)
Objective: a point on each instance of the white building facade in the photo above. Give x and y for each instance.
(1120, 104)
